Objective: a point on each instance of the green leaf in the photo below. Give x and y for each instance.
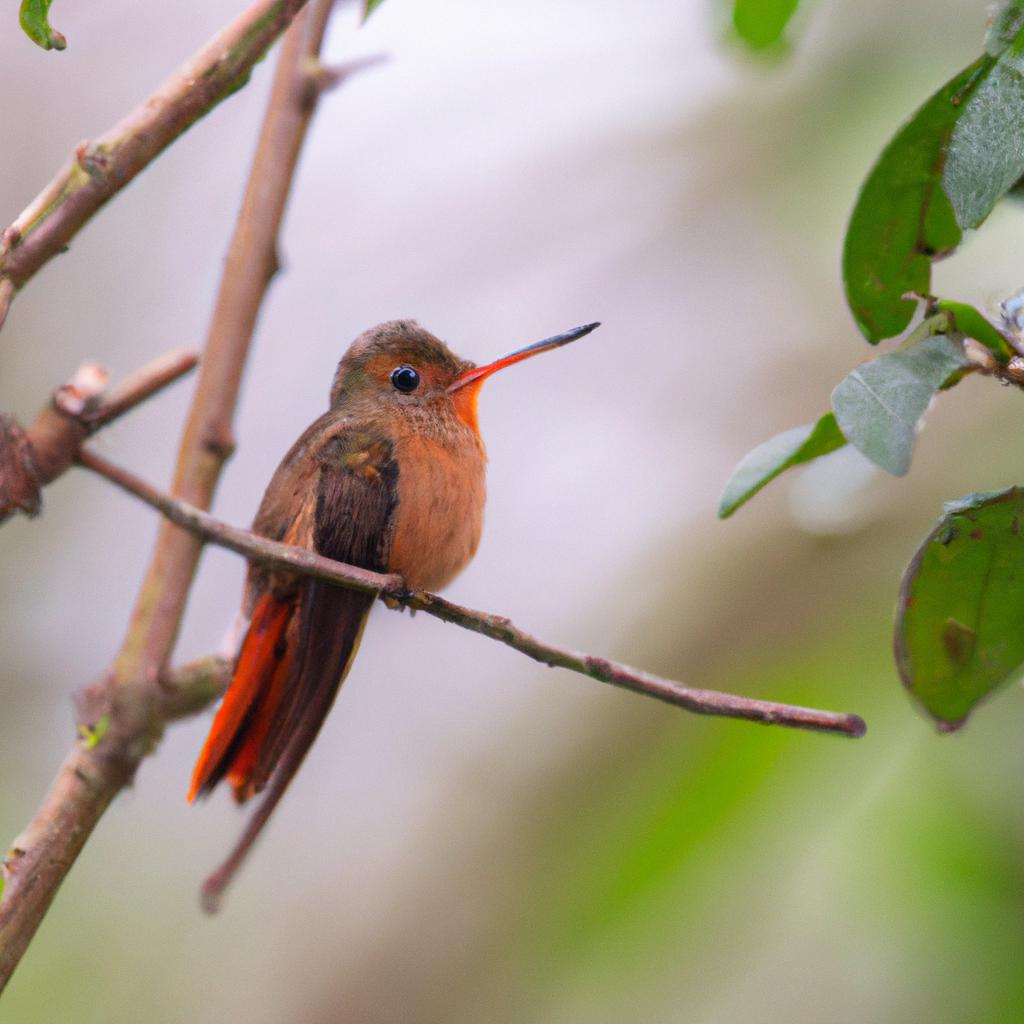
(960, 620)
(943, 172)
(34, 19)
(91, 735)
(1006, 26)
(790, 448)
(969, 322)
(985, 158)
(760, 23)
(902, 219)
(369, 6)
(878, 405)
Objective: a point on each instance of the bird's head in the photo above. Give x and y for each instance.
(399, 369)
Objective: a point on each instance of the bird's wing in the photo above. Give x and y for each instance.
(304, 634)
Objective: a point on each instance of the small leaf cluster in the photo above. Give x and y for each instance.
(34, 17)
(960, 622)
(35, 22)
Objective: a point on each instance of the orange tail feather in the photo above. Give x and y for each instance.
(243, 765)
(245, 715)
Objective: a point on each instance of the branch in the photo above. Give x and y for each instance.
(189, 689)
(323, 77)
(392, 590)
(129, 699)
(30, 459)
(99, 170)
(207, 441)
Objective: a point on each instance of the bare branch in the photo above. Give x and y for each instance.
(142, 384)
(189, 689)
(99, 170)
(31, 459)
(392, 590)
(251, 262)
(129, 699)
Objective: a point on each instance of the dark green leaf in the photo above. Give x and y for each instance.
(34, 19)
(985, 157)
(1006, 26)
(369, 6)
(969, 322)
(960, 621)
(760, 23)
(903, 220)
(768, 460)
(878, 405)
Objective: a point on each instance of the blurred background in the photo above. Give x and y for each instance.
(474, 837)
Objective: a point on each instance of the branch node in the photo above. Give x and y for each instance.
(80, 395)
(20, 488)
(274, 263)
(10, 238)
(93, 159)
(220, 444)
(1014, 370)
(320, 78)
(11, 860)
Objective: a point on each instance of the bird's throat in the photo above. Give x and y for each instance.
(465, 402)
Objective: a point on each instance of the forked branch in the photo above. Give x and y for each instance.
(30, 459)
(128, 699)
(99, 169)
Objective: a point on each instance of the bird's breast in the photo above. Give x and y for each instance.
(440, 509)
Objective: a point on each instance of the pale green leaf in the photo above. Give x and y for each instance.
(790, 448)
(879, 404)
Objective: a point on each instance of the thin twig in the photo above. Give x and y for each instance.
(325, 77)
(251, 263)
(99, 170)
(190, 688)
(129, 697)
(392, 590)
(30, 459)
(135, 389)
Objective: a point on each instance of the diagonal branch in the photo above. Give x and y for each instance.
(128, 699)
(98, 170)
(392, 590)
(30, 459)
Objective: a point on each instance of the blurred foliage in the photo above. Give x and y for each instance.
(761, 23)
(715, 849)
(878, 406)
(35, 21)
(944, 171)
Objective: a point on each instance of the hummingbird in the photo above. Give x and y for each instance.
(390, 478)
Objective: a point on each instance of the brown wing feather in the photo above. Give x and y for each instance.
(356, 496)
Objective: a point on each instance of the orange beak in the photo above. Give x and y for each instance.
(478, 374)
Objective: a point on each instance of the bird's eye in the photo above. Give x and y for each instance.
(405, 379)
